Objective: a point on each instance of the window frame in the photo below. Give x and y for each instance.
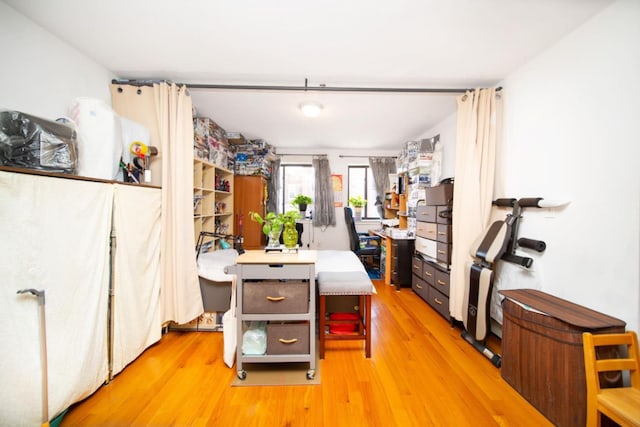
(366, 195)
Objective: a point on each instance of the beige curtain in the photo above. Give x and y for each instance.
(478, 118)
(167, 111)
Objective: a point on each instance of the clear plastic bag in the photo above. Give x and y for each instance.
(254, 339)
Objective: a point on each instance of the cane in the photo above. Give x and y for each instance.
(43, 354)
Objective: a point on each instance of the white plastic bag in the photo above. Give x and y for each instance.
(99, 138)
(229, 328)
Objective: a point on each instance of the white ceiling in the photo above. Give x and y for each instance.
(353, 43)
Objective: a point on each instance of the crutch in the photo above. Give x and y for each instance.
(43, 354)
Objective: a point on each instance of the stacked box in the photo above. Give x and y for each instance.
(254, 158)
(210, 143)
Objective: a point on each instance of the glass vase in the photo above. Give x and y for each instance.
(290, 236)
(274, 238)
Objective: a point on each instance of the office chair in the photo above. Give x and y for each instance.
(362, 244)
(621, 404)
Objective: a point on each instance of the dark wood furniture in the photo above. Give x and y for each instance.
(542, 356)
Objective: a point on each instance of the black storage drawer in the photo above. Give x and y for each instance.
(416, 266)
(440, 302)
(442, 282)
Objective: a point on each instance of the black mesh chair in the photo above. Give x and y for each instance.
(362, 244)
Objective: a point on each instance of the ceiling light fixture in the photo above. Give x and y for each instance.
(311, 108)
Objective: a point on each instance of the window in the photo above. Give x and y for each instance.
(361, 183)
(295, 179)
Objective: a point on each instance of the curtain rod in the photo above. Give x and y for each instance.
(362, 157)
(299, 154)
(306, 87)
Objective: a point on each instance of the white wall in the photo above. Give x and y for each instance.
(41, 74)
(570, 133)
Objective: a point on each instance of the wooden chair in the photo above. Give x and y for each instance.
(621, 404)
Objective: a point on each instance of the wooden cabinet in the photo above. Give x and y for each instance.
(213, 203)
(250, 195)
(431, 262)
(391, 205)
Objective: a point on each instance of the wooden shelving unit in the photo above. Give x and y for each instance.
(212, 200)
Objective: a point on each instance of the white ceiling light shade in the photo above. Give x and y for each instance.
(311, 108)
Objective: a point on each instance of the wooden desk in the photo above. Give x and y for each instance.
(397, 266)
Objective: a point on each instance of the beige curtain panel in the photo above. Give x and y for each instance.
(167, 111)
(478, 118)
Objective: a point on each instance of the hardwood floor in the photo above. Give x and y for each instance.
(421, 373)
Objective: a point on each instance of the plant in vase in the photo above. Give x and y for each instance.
(358, 203)
(290, 234)
(301, 201)
(272, 225)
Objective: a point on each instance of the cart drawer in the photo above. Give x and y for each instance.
(269, 297)
(276, 271)
(288, 338)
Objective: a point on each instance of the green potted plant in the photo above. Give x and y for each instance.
(273, 224)
(301, 201)
(358, 203)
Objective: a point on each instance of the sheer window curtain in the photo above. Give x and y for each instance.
(324, 213)
(478, 117)
(381, 167)
(166, 109)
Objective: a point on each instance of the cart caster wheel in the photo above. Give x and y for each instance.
(311, 374)
(242, 374)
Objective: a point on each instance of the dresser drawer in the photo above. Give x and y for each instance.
(288, 338)
(426, 213)
(442, 282)
(444, 233)
(269, 297)
(420, 287)
(444, 252)
(416, 266)
(443, 214)
(427, 247)
(429, 273)
(439, 302)
(428, 230)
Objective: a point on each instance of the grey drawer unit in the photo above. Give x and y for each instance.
(443, 214)
(443, 253)
(429, 273)
(439, 195)
(416, 266)
(428, 230)
(271, 297)
(444, 233)
(440, 302)
(287, 338)
(442, 282)
(426, 213)
(420, 287)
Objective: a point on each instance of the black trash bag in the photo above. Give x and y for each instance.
(31, 142)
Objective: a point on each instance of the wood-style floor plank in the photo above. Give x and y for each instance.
(421, 373)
